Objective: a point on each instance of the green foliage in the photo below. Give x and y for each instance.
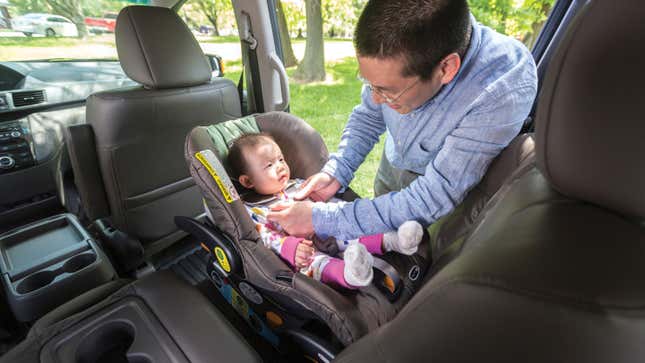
(340, 17)
(521, 19)
(96, 8)
(217, 13)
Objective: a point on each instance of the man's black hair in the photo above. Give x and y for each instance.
(422, 32)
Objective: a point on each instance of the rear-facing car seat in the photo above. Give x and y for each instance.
(553, 269)
(127, 159)
(251, 266)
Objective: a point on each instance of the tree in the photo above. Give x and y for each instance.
(285, 39)
(519, 19)
(208, 8)
(73, 10)
(312, 67)
(340, 16)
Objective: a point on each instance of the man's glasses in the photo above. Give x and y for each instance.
(387, 98)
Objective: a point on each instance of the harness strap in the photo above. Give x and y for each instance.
(387, 279)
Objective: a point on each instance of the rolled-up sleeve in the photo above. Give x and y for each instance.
(461, 162)
(362, 132)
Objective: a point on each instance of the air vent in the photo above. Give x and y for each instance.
(28, 98)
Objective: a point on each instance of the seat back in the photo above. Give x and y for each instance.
(140, 131)
(553, 268)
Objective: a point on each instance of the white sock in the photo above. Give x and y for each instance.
(405, 240)
(358, 265)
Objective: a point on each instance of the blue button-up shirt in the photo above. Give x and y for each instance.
(450, 139)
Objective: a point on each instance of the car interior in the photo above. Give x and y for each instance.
(122, 238)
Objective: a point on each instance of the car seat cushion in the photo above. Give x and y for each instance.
(349, 314)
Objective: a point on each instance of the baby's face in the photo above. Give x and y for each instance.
(267, 172)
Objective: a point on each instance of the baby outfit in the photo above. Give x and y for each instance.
(355, 269)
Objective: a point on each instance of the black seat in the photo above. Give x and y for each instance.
(128, 161)
(553, 269)
(176, 314)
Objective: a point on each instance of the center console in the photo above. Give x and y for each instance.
(15, 147)
(47, 263)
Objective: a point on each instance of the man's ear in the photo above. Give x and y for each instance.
(245, 181)
(449, 67)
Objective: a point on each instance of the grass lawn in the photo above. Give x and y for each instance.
(326, 106)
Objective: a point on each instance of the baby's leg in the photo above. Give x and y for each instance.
(355, 271)
(373, 243)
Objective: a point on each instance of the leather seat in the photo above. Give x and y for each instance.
(198, 331)
(553, 268)
(137, 133)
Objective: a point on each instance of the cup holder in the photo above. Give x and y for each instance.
(78, 262)
(36, 281)
(109, 344)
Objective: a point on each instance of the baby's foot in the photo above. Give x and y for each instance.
(406, 240)
(358, 265)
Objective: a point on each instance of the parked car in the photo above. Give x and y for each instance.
(106, 24)
(49, 25)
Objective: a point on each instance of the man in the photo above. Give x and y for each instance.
(450, 95)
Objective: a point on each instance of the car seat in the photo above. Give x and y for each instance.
(127, 165)
(263, 288)
(552, 270)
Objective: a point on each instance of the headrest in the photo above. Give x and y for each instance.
(590, 121)
(302, 146)
(158, 50)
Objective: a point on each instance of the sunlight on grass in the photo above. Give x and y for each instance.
(326, 107)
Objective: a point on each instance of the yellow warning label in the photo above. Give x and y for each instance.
(222, 187)
(222, 259)
(239, 304)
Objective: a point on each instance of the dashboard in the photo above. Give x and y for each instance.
(38, 100)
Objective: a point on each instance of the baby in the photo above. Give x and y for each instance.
(257, 163)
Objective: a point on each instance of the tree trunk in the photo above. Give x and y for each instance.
(213, 21)
(73, 10)
(210, 11)
(285, 40)
(312, 67)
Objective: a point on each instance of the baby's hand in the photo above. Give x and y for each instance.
(304, 253)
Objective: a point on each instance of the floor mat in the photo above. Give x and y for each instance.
(186, 259)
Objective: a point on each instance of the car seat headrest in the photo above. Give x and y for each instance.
(590, 123)
(158, 50)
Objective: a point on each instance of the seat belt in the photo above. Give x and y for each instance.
(255, 102)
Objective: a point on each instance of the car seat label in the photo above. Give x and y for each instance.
(250, 293)
(216, 170)
(221, 259)
(239, 304)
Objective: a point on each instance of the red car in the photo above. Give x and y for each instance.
(106, 24)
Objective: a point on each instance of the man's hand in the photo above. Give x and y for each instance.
(295, 218)
(304, 253)
(319, 187)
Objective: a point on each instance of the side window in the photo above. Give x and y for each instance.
(522, 20)
(213, 24)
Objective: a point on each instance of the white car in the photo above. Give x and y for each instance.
(45, 24)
